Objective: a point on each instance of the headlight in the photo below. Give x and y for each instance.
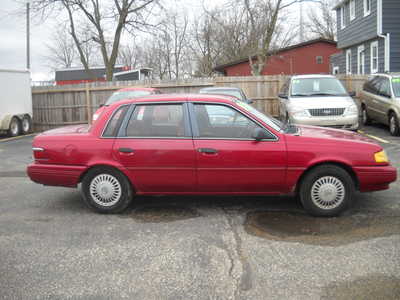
(351, 110)
(95, 116)
(298, 112)
(381, 157)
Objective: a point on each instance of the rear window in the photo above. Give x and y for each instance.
(126, 95)
(115, 122)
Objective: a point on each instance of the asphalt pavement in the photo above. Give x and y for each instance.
(53, 247)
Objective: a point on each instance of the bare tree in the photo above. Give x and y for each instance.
(61, 49)
(323, 20)
(107, 20)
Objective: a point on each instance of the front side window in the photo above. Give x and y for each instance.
(352, 7)
(367, 7)
(384, 89)
(348, 61)
(220, 121)
(156, 120)
(374, 57)
(307, 87)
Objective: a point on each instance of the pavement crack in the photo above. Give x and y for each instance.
(239, 270)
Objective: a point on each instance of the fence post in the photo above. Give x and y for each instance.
(88, 104)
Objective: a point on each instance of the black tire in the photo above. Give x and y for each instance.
(15, 127)
(104, 204)
(26, 124)
(365, 119)
(333, 179)
(394, 127)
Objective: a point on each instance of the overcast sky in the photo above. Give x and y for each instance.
(13, 37)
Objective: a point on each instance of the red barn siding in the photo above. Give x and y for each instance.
(301, 60)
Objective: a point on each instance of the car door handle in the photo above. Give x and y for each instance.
(125, 150)
(207, 150)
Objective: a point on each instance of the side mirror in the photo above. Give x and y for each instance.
(352, 94)
(283, 96)
(249, 101)
(261, 134)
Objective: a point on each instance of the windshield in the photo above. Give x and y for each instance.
(126, 95)
(266, 118)
(396, 86)
(234, 93)
(306, 87)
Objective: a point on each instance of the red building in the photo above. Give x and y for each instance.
(305, 58)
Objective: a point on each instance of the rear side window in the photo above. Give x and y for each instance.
(156, 120)
(372, 86)
(115, 122)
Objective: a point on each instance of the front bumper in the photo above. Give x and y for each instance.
(342, 122)
(375, 178)
(56, 175)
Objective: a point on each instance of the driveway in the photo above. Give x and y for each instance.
(53, 247)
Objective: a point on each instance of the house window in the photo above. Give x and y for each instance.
(352, 7)
(335, 70)
(374, 57)
(367, 7)
(361, 59)
(342, 19)
(348, 61)
(319, 60)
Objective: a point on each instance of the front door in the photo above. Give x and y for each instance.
(229, 160)
(156, 147)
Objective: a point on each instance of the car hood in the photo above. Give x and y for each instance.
(321, 102)
(74, 129)
(331, 134)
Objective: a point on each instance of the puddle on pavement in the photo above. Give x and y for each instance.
(302, 228)
(367, 288)
(162, 214)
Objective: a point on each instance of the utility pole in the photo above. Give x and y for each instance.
(28, 50)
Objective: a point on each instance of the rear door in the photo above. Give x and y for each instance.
(156, 146)
(229, 160)
(384, 100)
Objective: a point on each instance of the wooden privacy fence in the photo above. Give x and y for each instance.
(55, 106)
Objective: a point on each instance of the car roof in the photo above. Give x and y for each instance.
(313, 76)
(394, 74)
(219, 88)
(179, 98)
(137, 89)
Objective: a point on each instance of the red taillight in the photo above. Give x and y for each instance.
(39, 153)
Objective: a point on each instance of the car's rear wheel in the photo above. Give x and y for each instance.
(326, 191)
(15, 127)
(26, 124)
(106, 190)
(394, 126)
(364, 115)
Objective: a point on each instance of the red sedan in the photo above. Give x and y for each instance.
(207, 144)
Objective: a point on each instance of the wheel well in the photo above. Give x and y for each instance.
(391, 111)
(107, 167)
(347, 168)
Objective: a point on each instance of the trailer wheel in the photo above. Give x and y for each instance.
(26, 124)
(15, 127)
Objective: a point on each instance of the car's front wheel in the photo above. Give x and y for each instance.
(106, 190)
(326, 191)
(394, 125)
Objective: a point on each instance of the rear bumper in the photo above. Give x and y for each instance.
(56, 175)
(375, 178)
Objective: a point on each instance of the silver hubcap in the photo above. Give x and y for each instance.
(14, 127)
(392, 124)
(105, 190)
(327, 192)
(25, 125)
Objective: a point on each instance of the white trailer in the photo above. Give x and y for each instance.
(15, 102)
